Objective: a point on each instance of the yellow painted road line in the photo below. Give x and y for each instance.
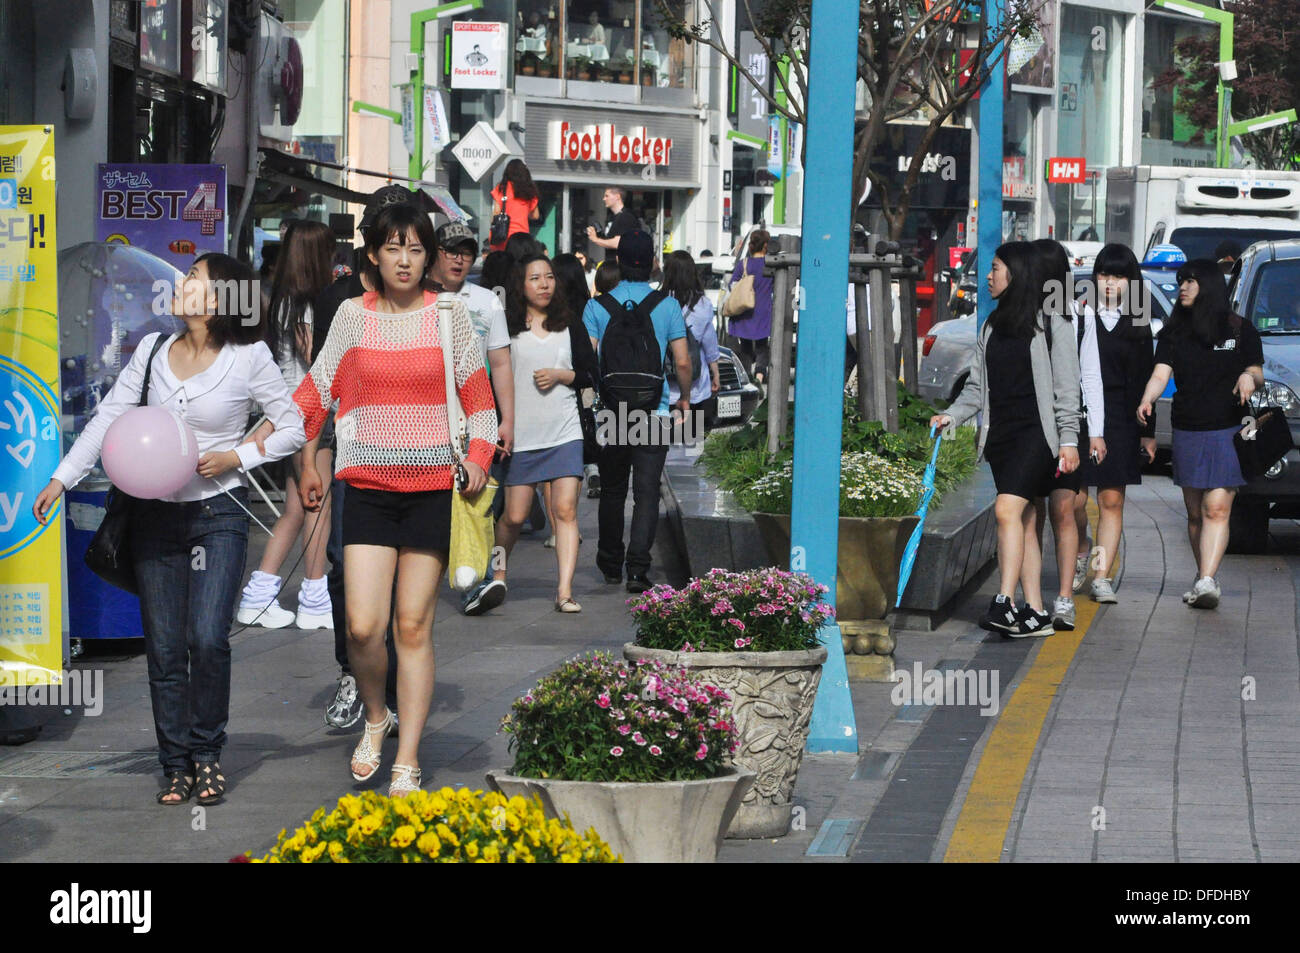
(981, 828)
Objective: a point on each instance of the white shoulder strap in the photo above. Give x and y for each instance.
(456, 424)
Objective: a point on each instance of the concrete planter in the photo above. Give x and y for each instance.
(667, 822)
(772, 700)
(869, 554)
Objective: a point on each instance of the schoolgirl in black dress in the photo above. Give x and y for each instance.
(1029, 397)
(1116, 335)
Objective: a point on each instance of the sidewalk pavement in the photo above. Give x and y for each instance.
(1128, 739)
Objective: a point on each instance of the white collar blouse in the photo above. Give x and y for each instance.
(216, 403)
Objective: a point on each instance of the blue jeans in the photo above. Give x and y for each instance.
(189, 560)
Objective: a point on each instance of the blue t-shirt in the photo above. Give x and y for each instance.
(666, 318)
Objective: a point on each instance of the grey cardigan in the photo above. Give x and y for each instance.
(1056, 385)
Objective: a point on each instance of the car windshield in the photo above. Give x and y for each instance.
(1201, 242)
(1274, 306)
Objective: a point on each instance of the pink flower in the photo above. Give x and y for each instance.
(681, 706)
(702, 752)
(624, 729)
(673, 734)
(616, 751)
(639, 739)
(603, 700)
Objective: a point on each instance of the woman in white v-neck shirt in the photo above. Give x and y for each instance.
(552, 360)
(189, 548)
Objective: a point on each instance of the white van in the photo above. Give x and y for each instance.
(1196, 209)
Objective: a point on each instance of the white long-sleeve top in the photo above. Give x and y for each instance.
(1094, 395)
(215, 403)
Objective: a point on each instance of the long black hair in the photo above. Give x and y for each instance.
(1209, 319)
(1016, 313)
(302, 272)
(1057, 281)
(1118, 261)
(520, 180)
(682, 280)
(571, 281)
(558, 313)
(237, 318)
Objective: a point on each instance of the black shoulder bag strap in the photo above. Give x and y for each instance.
(148, 367)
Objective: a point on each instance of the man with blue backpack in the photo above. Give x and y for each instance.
(633, 330)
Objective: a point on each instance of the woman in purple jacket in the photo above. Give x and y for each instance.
(751, 328)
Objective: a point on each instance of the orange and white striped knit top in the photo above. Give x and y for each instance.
(386, 372)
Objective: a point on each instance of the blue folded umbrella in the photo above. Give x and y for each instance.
(914, 543)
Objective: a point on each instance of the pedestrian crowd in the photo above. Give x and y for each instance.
(1054, 373)
(357, 369)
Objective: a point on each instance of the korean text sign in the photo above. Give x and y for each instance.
(176, 212)
(31, 560)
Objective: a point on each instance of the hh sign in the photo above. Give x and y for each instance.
(1067, 171)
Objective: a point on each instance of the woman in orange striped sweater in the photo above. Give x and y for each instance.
(383, 362)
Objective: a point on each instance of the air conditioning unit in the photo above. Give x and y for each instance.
(1259, 193)
(279, 79)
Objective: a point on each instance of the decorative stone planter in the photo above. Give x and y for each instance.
(870, 552)
(667, 822)
(772, 700)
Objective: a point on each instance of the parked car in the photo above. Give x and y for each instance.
(1265, 289)
(737, 394)
(948, 351)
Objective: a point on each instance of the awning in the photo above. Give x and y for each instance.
(293, 170)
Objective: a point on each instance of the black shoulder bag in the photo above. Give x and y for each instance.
(109, 553)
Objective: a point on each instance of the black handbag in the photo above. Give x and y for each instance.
(109, 554)
(500, 229)
(1262, 442)
(590, 445)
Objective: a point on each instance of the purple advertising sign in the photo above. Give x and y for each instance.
(176, 212)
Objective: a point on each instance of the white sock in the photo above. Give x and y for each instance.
(314, 596)
(261, 590)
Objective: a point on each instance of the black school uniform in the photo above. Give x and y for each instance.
(1126, 361)
(1016, 450)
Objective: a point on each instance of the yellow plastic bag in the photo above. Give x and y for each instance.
(471, 537)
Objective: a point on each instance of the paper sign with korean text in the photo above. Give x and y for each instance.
(31, 557)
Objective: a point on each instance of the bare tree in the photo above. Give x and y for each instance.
(927, 57)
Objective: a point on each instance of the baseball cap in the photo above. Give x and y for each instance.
(380, 199)
(636, 250)
(454, 234)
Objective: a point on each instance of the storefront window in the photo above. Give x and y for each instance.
(1090, 118)
(1166, 130)
(537, 38)
(626, 42)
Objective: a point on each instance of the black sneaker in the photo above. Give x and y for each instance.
(1031, 623)
(484, 597)
(1001, 616)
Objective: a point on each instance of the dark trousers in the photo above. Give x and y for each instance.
(189, 560)
(334, 580)
(753, 354)
(644, 465)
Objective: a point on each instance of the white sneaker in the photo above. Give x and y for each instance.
(1080, 571)
(1063, 614)
(315, 611)
(1205, 594)
(271, 616)
(1103, 591)
(313, 620)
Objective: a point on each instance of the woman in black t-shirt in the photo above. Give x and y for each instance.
(1216, 359)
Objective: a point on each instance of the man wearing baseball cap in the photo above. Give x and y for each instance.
(632, 455)
(457, 249)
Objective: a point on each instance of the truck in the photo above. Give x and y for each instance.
(1196, 209)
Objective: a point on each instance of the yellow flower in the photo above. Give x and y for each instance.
(371, 823)
(351, 806)
(311, 853)
(428, 843)
(492, 854)
(402, 836)
(471, 849)
(336, 852)
(444, 833)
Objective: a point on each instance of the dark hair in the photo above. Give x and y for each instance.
(521, 183)
(1017, 308)
(758, 239)
(396, 222)
(303, 269)
(1118, 261)
(1227, 249)
(1056, 280)
(571, 281)
(1209, 319)
(521, 245)
(608, 275)
(623, 194)
(682, 279)
(495, 273)
(238, 315)
(558, 312)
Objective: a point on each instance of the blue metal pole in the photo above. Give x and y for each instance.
(990, 162)
(824, 264)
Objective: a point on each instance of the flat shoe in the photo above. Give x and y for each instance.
(567, 605)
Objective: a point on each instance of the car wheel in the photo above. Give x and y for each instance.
(1248, 526)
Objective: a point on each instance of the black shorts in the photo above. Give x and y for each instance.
(385, 518)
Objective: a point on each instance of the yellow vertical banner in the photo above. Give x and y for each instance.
(31, 564)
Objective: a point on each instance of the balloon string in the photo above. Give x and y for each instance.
(246, 510)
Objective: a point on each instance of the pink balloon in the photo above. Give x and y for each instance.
(149, 452)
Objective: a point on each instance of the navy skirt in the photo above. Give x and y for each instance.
(549, 463)
(1206, 459)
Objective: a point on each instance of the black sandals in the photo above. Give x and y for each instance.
(209, 782)
(178, 783)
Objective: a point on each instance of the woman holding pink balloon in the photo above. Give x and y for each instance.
(182, 458)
